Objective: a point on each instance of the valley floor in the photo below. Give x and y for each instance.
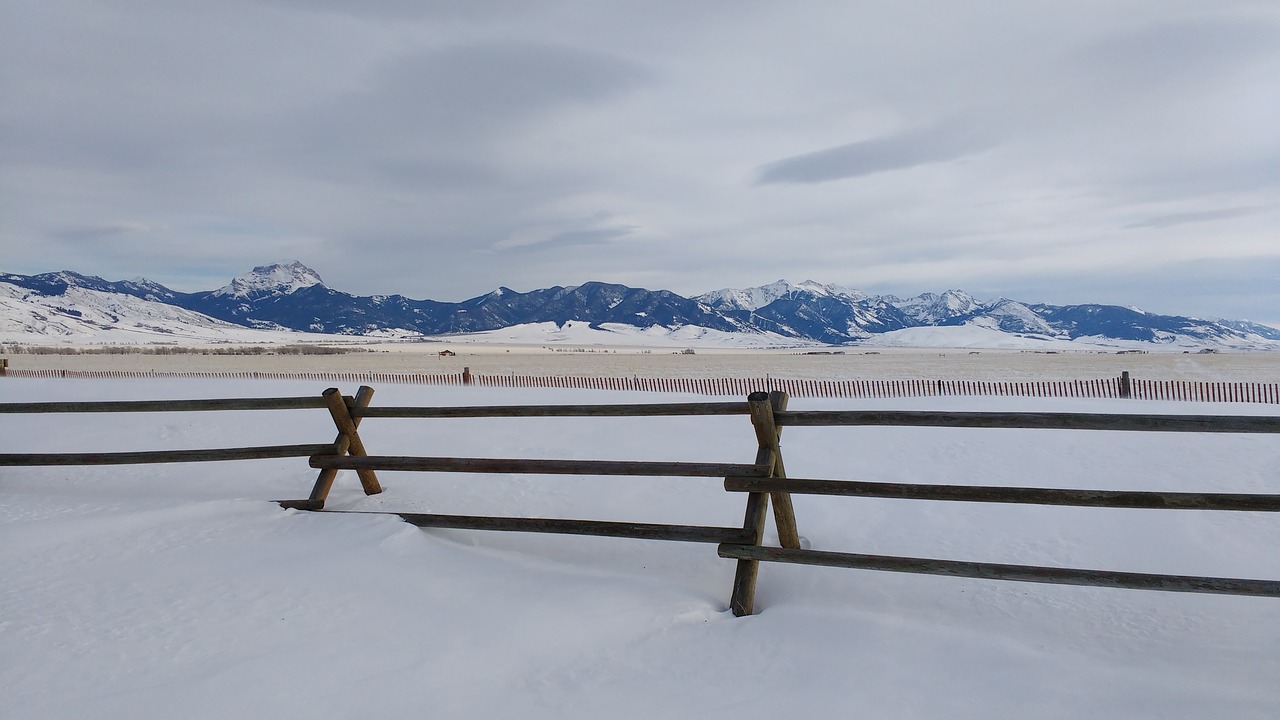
(853, 363)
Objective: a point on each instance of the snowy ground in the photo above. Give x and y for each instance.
(181, 591)
(883, 364)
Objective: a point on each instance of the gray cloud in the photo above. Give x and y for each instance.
(574, 239)
(100, 233)
(462, 87)
(434, 120)
(891, 152)
(1170, 54)
(1182, 218)
(441, 149)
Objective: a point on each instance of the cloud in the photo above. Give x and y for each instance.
(1199, 216)
(1169, 55)
(458, 92)
(883, 154)
(103, 232)
(443, 148)
(437, 119)
(552, 238)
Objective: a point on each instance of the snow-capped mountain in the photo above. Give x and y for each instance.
(930, 309)
(85, 314)
(1010, 316)
(730, 299)
(292, 297)
(270, 281)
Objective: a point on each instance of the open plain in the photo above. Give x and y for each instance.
(832, 364)
(181, 590)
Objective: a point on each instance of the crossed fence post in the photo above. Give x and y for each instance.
(348, 442)
(762, 406)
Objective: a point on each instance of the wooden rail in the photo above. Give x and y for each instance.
(996, 571)
(1035, 421)
(339, 406)
(518, 411)
(640, 531)
(539, 467)
(116, 406)
(764, 481)
(755, 552)
(166, 456)
(1133, 499)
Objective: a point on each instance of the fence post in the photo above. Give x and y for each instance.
(466, 376)
(4, 366)
(1126, 385)
(324, 483)
(767, 431)
(762, 404)
(346, 426)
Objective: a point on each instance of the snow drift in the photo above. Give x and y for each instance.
(182, 591)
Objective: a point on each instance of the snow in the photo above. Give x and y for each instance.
(275, 279)
(83, 316)
(582, 333)
(1016, 317)
(930, 309)
(970, 335)
(181, 591)
(91, 317)
(757, 297)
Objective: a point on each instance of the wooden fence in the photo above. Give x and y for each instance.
(1117, 387)
(763, 481)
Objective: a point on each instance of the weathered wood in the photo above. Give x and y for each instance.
(163, 456)
(112, 406)
(355, 446)
(632, 410)
(1048, 421)
(538, 467)
(784, 515)
(1027, 496)
(642, 531)
(324, 483)
(301, 504)
(784, 512)
(996, 571)
(742, 598)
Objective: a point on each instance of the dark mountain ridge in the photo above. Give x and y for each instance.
(292, 296)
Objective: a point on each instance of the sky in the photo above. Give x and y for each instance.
(1063, 152)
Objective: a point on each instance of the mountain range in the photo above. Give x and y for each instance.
(292, 297)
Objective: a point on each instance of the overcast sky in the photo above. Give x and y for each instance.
(1065, 152)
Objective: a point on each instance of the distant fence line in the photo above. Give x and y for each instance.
(1119, 387)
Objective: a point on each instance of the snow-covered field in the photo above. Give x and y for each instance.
(170, 591)
(884, 363)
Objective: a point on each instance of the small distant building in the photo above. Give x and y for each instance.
(447, 353)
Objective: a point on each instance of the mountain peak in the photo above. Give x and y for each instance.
(932, 308)
(277, 279)
(757, 297)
